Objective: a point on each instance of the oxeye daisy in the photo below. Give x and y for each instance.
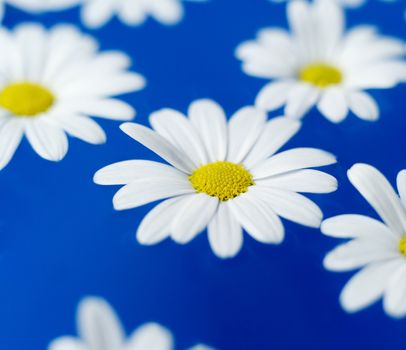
(99, 328)
(96, 13)
(346, 3)
(222, 175)
(37, 5)
(320, 64)
(51, 82)
(378, 248)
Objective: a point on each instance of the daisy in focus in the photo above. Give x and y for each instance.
(97, 13)
(377, 247)
(99, 328)
(319, 64)
(222, 175)
(51, 82)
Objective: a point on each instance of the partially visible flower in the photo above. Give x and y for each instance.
(51, 82)
(224, 175)
(99, 328)
(346, 3)
(97, 13)
(378, 248)
(37, 5)
(319, 64)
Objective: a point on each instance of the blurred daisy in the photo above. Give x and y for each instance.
(50, 82)
(379, 248)
(96, 13)
(37, 5)
(99, 328)
(222, 175)
(319, 64)
(346, 3)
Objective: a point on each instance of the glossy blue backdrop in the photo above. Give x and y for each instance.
(61, 240)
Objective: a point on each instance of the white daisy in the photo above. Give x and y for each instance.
(96, 13)
(99, 328)
(319, 64)
(50, 82)
(346, 3)
(224, 175)
(379, 248)
(37, 5)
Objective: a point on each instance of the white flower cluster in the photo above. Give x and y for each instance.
(228, 175)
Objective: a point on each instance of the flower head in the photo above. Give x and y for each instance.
(222, 175)
(320, 64)
(378, 248)
(51, 82)
(99, 328)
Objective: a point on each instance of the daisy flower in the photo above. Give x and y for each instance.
(100, 328)
(51, 82)
(346, 3)
(224, 175)
(319, 64)
(97, 13)
(377, 247)
(37, 5)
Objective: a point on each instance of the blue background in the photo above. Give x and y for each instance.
(61, 240)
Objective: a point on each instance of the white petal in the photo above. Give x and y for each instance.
(99, 325)
(294, 159)
(122, 173)
(159, 145)
(395, 293)
(167, 11)
(333, 104)
(150, 336)
(275, 134)
(193, 218)
(156, 225)
(47, 140)
(367, 286)
(105, 108)
(210, 121)
(244, 128)
(67, 343)
(146, 190)
(81, 127)
(178, 130)
(11, 133)
(257, 218)
(301, 99)
(225, 233)
(401, 185)
(290, 205)
(353, 226)
(274, 95)
(131, 13)
(363, 105)
(360, 252)
(201, 347)
(379, 193)
(306, 181)
(97, 13)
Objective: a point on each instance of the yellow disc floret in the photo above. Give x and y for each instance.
(224, 180)
(320, 75)
(402, 246)
(26, 99)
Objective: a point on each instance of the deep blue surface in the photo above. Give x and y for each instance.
(61, 240)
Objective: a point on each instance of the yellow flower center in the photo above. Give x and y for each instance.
(224, 180)
(26, 99)
(402, 246)
(320, 75)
